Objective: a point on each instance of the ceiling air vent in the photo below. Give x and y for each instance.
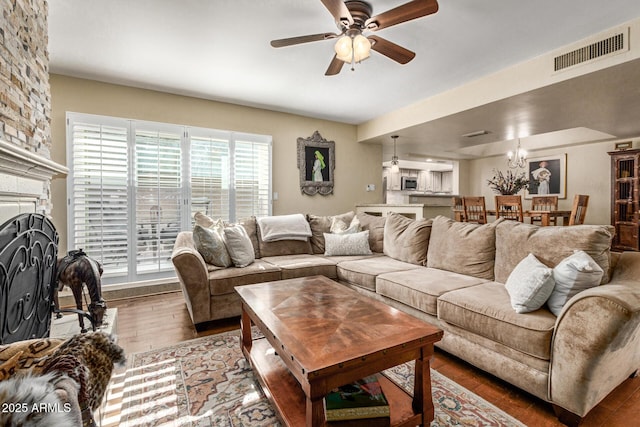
(611, 45)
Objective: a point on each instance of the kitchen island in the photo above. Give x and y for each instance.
(429, 208)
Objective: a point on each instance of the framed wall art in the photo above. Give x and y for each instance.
(316, 162)
(547, 176)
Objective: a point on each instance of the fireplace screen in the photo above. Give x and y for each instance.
(28, 254)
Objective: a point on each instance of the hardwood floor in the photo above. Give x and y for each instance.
(147, 323)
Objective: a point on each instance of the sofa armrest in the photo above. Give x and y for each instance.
(193, 276)
(596, 340)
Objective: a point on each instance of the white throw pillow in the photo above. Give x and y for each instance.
(239, 245)
(339, 226)
(529, 285)
(572, 275)
(347, 244)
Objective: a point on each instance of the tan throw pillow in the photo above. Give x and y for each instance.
(406, 239)
(322, 224)
(239, 245)
(463, 247)
(551, 245)
(203, 220)
(210, 243)
(375, 225)
(340, 226)
(251, 227)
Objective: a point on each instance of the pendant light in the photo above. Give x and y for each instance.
(395, 168)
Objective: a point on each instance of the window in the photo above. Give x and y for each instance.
(134, 185)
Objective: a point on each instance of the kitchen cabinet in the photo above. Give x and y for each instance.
(424, 181)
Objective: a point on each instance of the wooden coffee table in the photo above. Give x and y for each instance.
(319, 335)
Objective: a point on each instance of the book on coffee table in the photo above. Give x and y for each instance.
(359, 400)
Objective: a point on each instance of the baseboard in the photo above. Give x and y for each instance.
(66, 298)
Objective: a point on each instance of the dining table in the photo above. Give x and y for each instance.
(544, 215)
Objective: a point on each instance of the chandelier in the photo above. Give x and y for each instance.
(519, 160)
(394, 160)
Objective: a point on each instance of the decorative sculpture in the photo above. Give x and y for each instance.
(75, 270)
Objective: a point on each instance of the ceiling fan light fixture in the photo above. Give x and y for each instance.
(361, 48)
(343, 48)
(352, 49)
(353, 17)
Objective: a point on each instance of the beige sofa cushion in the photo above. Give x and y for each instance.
(322, 224)
(463, 247)
(282, 247)
(303, 265)
(551, 245)
(406, 239)
(363, 272)
(223, 280)
(486, 310)
(375, 225)
(420, 287)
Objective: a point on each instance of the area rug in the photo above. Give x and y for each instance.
(207, 382)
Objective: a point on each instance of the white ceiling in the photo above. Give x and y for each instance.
(219, 50)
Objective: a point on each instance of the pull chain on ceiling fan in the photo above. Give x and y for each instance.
(353, 17)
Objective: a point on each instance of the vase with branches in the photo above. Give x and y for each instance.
(509, 183)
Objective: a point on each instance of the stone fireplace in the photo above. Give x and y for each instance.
(25, 180)
(25, 110)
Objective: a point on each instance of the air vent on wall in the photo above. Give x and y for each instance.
(616, 43)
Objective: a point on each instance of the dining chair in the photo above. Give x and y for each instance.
(458, 208)
(509, 207)
(544, 203)
(579, 209)
(474, 209)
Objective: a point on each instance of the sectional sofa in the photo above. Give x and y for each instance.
(463, 278)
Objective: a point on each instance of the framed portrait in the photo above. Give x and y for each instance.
(316, 162)
(547, 176)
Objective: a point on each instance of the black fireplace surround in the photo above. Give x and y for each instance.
(28, 257)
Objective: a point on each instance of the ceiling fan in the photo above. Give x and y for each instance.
(353, 18)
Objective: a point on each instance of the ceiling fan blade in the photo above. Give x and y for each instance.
(334, 67)
(406, 12)
(303, 39)
(391, 50)
(339, 11)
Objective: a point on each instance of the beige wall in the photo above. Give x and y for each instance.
(356, 164)
(588, 172)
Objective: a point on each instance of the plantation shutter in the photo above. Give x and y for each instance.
(210, 176)
(98, 183)
(158, 187)
(252, 178)
(134, 185)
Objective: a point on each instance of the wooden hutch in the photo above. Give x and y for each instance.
(625, 203)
